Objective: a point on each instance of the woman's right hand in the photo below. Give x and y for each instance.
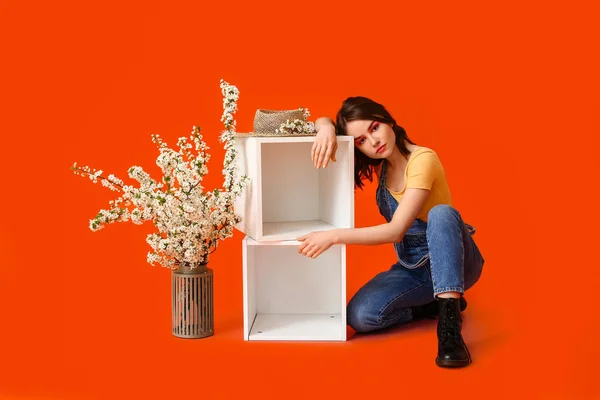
(324, 147)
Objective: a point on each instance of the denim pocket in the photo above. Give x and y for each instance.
(412, 252)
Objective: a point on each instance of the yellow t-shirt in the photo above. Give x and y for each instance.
(425, 171)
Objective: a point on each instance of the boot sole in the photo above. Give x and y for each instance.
(452, 363)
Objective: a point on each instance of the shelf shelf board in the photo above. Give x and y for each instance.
(298, 327)
(273, 231)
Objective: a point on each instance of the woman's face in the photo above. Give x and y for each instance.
(375, 139)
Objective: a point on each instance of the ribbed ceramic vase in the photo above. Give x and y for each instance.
(192, 302)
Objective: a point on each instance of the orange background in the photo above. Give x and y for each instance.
(506, 93)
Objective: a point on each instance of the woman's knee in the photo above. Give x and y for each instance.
(442, 212)
(360, 316)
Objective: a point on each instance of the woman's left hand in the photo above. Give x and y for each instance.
(315, 243)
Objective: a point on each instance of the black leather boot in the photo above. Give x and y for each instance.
(452, 350)
(432, 310)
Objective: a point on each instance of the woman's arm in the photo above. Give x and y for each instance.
(325, 145)
(315, 243)
(393, 231)
(324, 121)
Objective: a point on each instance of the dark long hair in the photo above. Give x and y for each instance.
(363, 108)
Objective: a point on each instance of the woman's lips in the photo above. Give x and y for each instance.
(379, 150)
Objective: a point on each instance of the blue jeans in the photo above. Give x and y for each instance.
(443, 258)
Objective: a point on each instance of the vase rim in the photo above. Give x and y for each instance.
(196, 268)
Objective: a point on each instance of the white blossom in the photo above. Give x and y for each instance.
(190, 221)
(297, 126)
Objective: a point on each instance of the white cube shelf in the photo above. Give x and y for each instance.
(288, 296)
(288, 197)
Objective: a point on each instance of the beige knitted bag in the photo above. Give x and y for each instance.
(268, 123)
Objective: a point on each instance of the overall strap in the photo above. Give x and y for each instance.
(383, 173)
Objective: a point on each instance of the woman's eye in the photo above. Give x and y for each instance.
(375, 126)
(361, 141)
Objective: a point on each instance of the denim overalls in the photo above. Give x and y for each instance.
(434, 257)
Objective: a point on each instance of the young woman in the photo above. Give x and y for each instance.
(437, 257)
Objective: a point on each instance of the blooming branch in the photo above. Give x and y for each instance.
(190, 221)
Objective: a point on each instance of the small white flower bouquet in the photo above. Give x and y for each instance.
(297, 126)
(190, 221)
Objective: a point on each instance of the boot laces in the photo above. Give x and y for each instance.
(449, 330)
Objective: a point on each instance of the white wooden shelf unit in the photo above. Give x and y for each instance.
(288, 196)
(288, 296)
